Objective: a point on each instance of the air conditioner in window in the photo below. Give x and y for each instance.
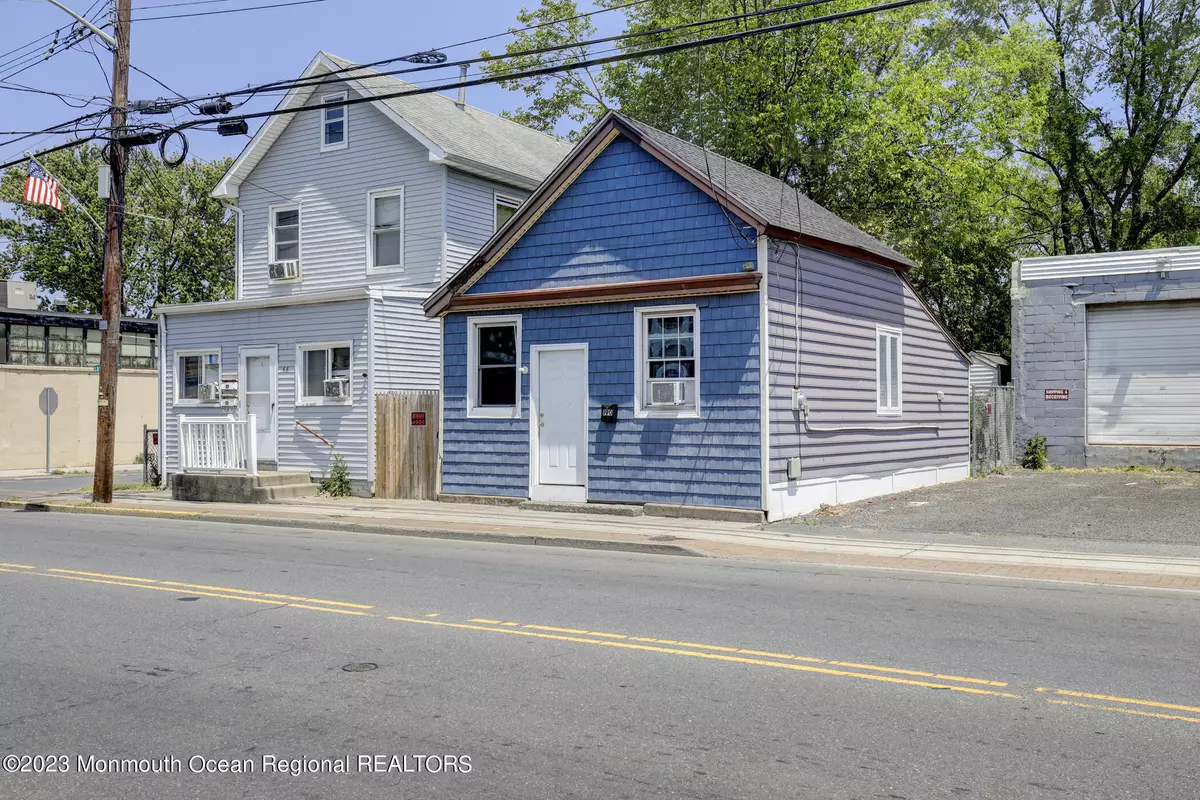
(284, 270)
(337, 387)
(210, 392)
(667, 393)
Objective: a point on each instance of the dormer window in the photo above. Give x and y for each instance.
(333, 122)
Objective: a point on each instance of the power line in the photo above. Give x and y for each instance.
(18, 87)
(177, 5)
(301, 83)
(546, 70)
(513, 31)
(229, 10)
(591, 62)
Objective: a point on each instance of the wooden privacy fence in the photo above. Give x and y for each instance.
(406, 445)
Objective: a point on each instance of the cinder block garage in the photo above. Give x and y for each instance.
(1106, 356)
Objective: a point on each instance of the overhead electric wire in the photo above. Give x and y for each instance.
(177, 5)
(228, 10)
(513, 31)
(18, 87)
(590, 62)
(302, 83)
(626, 56)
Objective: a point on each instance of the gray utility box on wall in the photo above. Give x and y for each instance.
(19, 295)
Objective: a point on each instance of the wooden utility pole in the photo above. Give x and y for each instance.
(110, 342)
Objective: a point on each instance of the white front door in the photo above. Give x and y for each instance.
(560, 405)
(256, 379)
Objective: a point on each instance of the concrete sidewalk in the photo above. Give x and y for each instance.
(654, 535)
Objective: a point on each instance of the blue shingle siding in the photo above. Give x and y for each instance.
(709, 461)
(627, 217)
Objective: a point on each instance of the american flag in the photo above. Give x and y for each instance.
(41, 188)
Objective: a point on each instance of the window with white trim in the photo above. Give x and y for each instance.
(506, 207)
(321, 365)
(494, 366)
(888, 370)
(285, 233)
(385, 222)
(333, 122)
(668, 356)
(193, 369)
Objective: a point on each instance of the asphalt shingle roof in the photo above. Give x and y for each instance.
(468, 133)
(771, 199)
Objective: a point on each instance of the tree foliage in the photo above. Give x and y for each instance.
(963, 132)
(178, 243)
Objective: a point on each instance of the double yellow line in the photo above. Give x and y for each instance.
(710, 652)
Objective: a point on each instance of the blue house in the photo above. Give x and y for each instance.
(606, 345)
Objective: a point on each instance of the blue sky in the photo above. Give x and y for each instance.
(202, 55)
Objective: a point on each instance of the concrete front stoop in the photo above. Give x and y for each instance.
(223, 487)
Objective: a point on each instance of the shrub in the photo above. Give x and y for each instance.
(337, 482)
(1035, 453)
(139, 459)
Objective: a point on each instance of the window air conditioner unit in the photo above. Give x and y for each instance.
(667, 393)
(284, 270)
(337, 387)
(210, 392)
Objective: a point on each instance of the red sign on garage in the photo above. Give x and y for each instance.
(418, 418)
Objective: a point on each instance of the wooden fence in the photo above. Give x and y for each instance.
(406, 445)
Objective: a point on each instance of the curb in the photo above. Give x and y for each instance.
(390, 530)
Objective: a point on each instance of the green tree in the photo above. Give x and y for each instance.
(178, 244)
(903, 123)
(1118, 156)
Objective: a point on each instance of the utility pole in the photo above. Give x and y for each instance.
(110, 342)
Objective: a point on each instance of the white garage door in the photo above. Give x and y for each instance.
(1143, 374)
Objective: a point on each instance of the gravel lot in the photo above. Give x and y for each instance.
(1136, 505)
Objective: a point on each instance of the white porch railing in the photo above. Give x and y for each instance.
(210, 444)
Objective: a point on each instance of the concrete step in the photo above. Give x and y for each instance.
(281, 478)
(275, 494)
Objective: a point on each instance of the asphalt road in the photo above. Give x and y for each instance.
(52, 484)
(571, 674)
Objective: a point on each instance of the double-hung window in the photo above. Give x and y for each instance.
(668, 361)
(324, 377)
(385, 223)
(285, 236)
(888, 370)
(505, 208)
(193, 369)
(494, 366)
(333, 122)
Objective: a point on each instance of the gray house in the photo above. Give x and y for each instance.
(1106, 356)
(663, 326)
(347, 217)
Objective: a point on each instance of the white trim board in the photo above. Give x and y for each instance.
(792, 498)
(298, 299)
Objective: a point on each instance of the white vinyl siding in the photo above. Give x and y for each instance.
(333, 250)
(889, 370)
(1143, 374)
(407, 345)
(471, 215)
(344, 424)
(335, 123)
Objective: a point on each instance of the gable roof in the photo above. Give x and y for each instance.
(987, 359)
(768, 204)
(773, 202)
(466, 138)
